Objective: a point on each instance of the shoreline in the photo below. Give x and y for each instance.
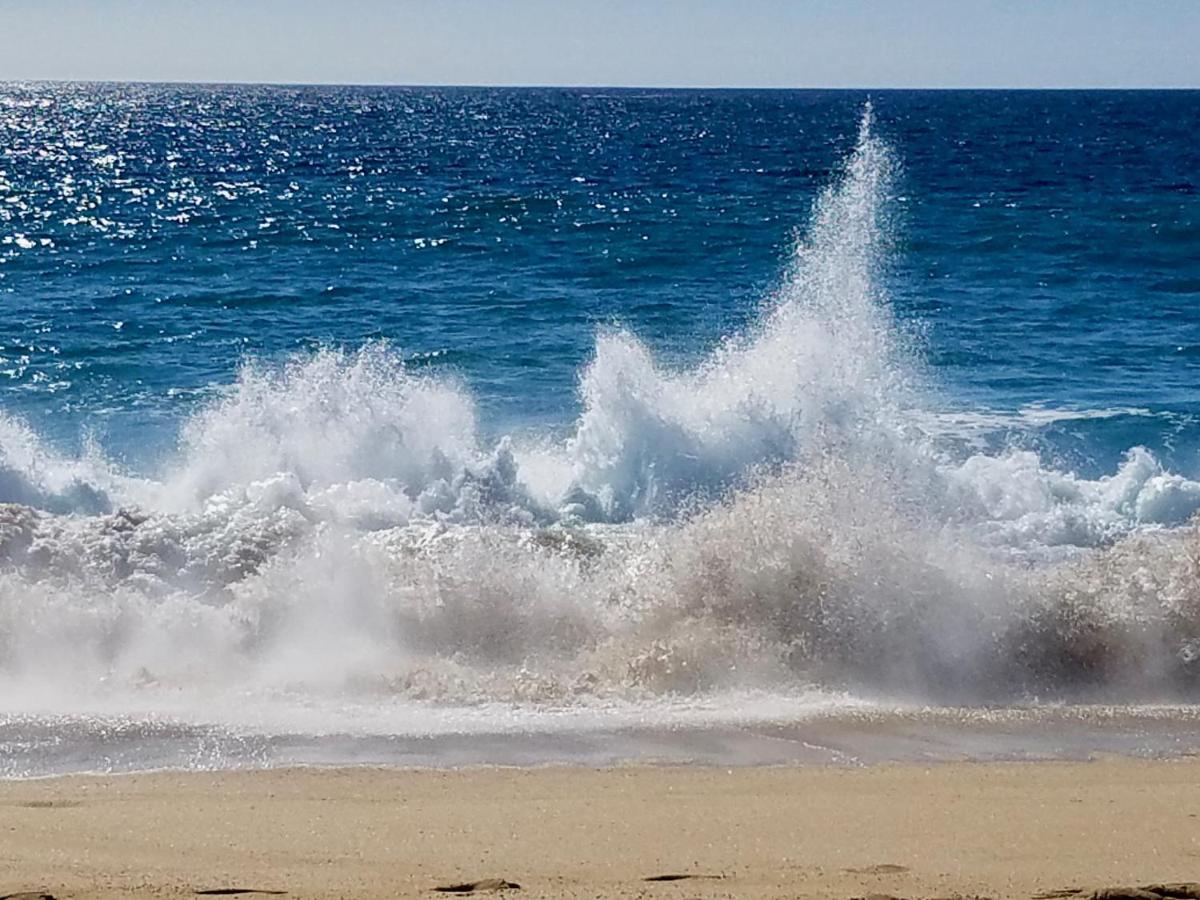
(33, 746)
(994, 829)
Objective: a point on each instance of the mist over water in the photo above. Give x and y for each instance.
(790, 524)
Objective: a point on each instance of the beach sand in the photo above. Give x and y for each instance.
(987, 829)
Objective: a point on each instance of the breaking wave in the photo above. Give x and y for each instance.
(785, 516)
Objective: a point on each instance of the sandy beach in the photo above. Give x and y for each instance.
(995, 830)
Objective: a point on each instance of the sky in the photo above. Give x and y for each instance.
(727, 43)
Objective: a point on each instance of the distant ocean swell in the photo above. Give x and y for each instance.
(792, 514)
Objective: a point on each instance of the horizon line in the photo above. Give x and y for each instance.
(584, 86)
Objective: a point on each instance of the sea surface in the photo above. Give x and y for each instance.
(457, 425)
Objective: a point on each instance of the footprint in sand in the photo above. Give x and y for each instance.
(229, 892)
(487, 884)
(1180, 890)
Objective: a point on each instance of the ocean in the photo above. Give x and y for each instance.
(466, 425)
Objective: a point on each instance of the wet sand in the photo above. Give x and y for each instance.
(37, 746)
(988, 829)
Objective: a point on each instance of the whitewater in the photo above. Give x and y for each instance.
(791, 528)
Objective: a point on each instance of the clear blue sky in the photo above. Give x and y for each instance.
(852, 43)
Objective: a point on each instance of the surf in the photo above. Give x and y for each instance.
(784, 519)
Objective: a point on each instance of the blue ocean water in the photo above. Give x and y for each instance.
(1046, 243)
(400, 411)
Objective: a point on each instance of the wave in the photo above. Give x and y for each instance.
(780, 517)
